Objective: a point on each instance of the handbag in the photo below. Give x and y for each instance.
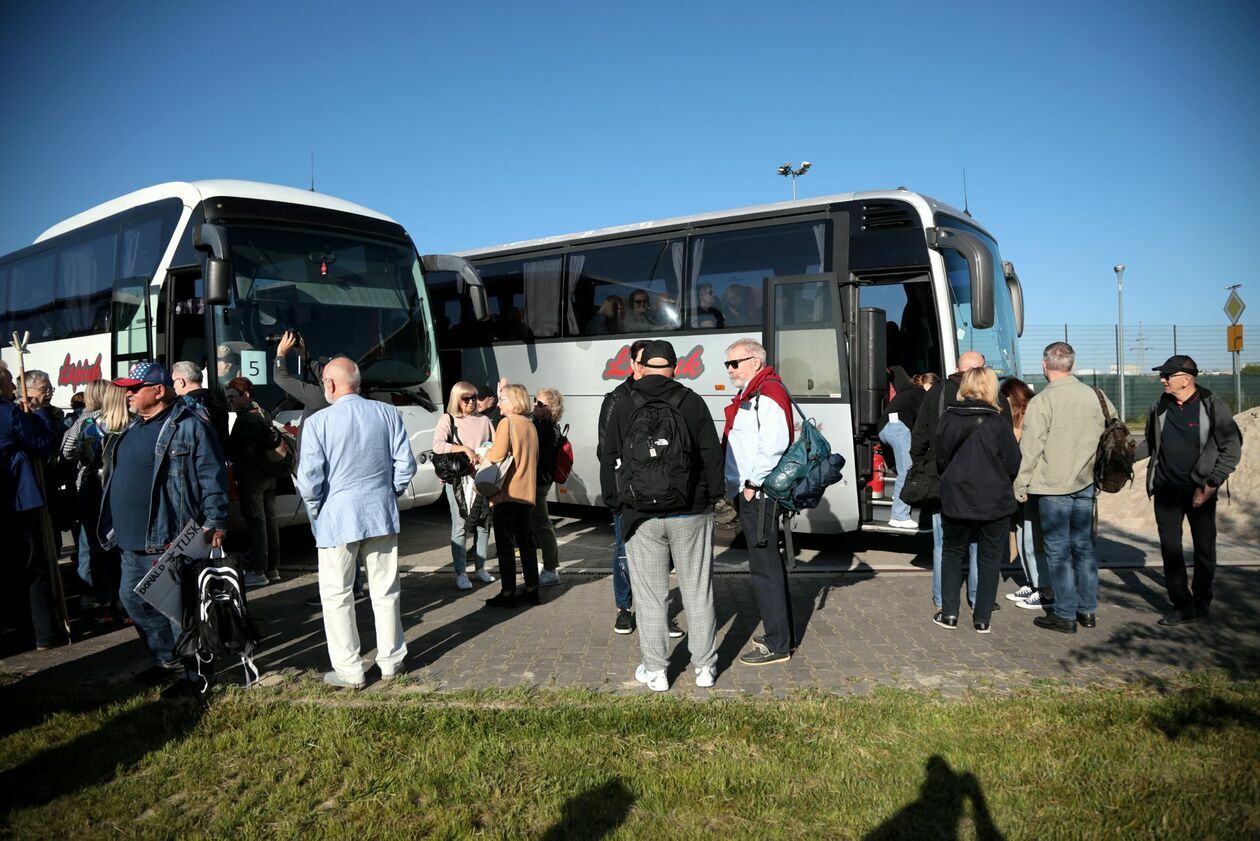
(450, 467)
(490, 479)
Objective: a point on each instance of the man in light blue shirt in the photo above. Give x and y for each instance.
(355, 462)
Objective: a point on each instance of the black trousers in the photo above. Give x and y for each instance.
(1172, 506)
(768, 572)
(992, 539)
(512, 530)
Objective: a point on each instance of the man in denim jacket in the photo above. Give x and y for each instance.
(164, 470)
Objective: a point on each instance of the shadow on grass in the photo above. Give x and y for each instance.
(1194, 716)
(942, 804)
(99, 756)
(593, 813)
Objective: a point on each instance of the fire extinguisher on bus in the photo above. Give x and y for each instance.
(878, 468)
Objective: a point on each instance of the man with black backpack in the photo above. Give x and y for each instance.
(758, 431)
(1058, 447)
(661, 467)
(1194, 445)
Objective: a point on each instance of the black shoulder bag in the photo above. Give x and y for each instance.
(451, 467)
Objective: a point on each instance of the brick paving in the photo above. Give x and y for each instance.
(863, 628)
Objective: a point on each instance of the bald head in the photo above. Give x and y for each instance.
(341, 377)
(970, 359)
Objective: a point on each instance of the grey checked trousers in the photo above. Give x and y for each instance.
(689, 539)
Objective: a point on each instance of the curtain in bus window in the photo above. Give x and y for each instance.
(85, 281)
(142, 245)
(572, 273)
(542, 297)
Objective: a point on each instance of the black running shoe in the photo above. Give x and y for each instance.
(624, 623)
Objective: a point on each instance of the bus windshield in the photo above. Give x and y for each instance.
(346, 295)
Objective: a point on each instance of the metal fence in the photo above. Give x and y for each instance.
(1146, 346)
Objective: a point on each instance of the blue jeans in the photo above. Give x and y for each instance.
(1027, 530)
(84, 554)
(459, 538)
(159, 633)
(1067, 536)
(973, 571)
(621, 569)
(897, 435)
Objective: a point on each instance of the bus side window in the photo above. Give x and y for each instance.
(630, 288)
(728, 269)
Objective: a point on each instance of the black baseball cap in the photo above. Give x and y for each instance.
(659, 349)
(1178, 365)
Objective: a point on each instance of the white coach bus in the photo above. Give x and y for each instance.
(838, 288)
(214, 272)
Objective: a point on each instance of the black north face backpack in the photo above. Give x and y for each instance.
(657, 473)
(216, 619)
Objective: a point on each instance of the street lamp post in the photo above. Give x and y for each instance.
(1119, 270)
(786, 171)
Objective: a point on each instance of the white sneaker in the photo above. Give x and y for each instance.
(253, 579)
(656, 681)
(462, 582)
(1021, 594)
(904, 524)
(548, 578)
(390, 675)
(1033, 602)
(705, 676)
(483, 576)
(334, 679)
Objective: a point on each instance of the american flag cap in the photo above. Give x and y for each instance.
(145, 373)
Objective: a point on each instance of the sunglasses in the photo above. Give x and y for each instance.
(732, 364)
(468, 398)
(132, 389)
(639, 302)
(1174, 374)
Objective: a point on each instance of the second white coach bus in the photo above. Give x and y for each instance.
(837, 288)
(214, 272)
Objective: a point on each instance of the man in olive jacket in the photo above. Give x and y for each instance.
(1194, 445)
(1058, 446)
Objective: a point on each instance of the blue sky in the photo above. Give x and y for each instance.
(1092, 133)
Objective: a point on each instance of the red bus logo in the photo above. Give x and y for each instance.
(75, 374)
(690, 366)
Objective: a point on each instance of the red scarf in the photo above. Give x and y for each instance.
(766, 382)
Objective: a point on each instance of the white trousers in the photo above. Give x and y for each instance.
(336, 581)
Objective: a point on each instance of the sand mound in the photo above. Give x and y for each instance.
(1237, 513)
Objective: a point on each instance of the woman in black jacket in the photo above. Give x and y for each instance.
(978, 458)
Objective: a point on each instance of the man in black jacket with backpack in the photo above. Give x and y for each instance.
(661, 467)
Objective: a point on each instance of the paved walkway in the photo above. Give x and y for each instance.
(859, 631)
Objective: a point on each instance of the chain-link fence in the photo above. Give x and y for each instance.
(1146, 346)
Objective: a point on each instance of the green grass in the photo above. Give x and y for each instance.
(303, 761)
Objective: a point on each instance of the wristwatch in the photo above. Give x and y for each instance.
(750, 486)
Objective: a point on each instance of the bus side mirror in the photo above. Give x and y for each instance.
(1017, 295)
(218, 282)
(467, 281)
(211, 240)
(979, 267)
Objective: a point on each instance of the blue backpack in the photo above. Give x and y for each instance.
(808, 467)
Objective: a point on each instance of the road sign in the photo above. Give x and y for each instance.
(1234, 336)
(1234, 306)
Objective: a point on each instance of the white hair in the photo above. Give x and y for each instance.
(188, 370)
(34, 378)
(752, 347)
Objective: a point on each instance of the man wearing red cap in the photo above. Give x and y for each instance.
(164, 470)
(1194, 445)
